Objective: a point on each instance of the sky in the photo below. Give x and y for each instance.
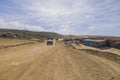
(69, 17)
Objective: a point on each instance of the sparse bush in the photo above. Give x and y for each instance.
(41, 40)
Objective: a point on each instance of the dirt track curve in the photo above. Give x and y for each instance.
(58, 62)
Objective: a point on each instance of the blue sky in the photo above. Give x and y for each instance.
(78, 17)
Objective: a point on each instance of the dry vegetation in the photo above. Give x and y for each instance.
(7, 42)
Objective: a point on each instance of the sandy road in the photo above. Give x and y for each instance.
(41, 62)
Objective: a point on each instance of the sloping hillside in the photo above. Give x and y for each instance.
(26, 34)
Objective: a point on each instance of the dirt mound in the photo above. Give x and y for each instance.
(2, 47)
(114, 43)
(107, 55)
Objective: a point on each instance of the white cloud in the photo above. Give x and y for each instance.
(91, 28)
(1, 22)
(46, 9)
(20, 26)
(58, 11)
(64, 29)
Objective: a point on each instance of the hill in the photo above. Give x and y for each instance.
(24, 34)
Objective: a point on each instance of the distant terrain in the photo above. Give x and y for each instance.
(24, 34)
(94, 37)
(24, 57)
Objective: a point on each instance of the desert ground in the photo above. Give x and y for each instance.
(38, 61)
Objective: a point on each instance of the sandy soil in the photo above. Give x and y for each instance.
(41, 62)
(81, 46)
(7, 42)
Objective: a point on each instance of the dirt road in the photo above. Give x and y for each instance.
(41, 62)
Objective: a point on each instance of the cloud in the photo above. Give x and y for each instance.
(63, 16)
(1, 22)
(91, 28)
(20, 26)
(60, 11)
(64, 29)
